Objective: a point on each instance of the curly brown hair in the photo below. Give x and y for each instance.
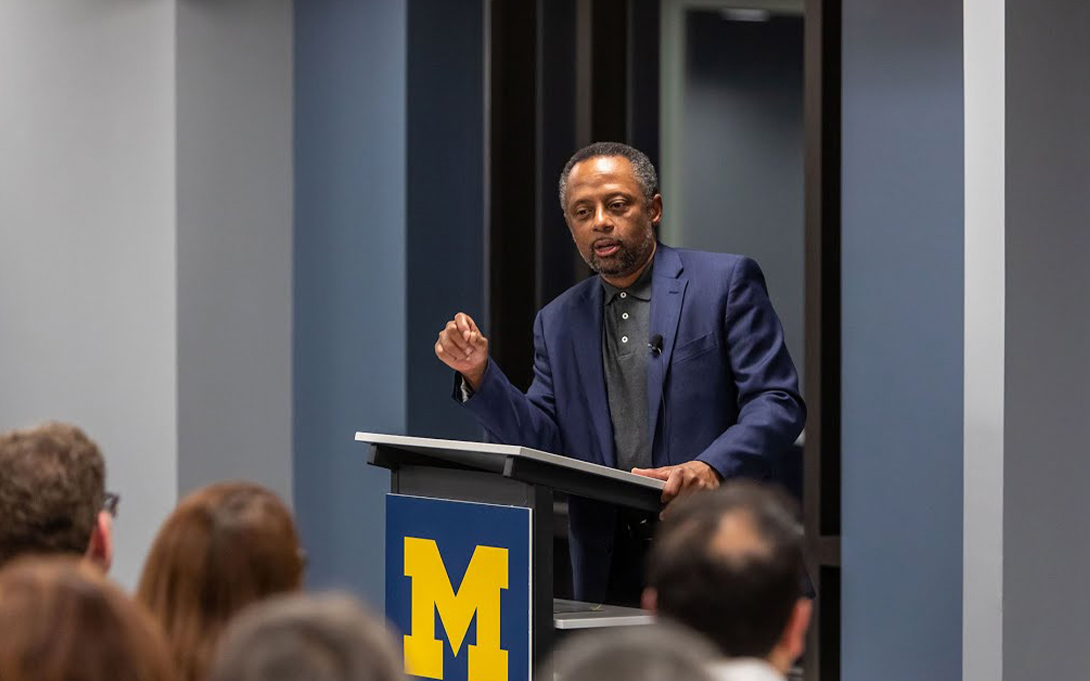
(225, 546)
(52, 484)
(63, 621)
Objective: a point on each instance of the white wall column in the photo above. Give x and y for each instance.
(984, 340)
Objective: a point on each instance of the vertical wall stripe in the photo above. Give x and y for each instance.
(349, 279)
(234, 188)
(444, 214)
(982, 625)
(903, 340)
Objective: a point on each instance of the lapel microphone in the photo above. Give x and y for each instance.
(656, 345)
(656, 350)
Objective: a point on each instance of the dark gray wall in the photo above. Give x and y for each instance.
(1046, 462)
(902, 340)
(234, 179)
(445, 200)
(742, 176)
(349, 285)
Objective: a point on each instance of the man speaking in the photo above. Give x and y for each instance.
(670, 363)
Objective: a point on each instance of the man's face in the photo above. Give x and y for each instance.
(610, 219)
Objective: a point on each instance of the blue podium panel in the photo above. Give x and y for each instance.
(458, 586)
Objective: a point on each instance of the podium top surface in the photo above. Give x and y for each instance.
(433, 446)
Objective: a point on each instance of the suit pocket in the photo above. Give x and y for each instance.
(695, 348)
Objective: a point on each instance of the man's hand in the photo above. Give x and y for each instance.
(462, 347)
(683, 478)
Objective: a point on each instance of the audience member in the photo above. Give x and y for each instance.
(62, 621)
(52, 494)
(223, 548)
(657, 652)
(307, 638)
(729, 564)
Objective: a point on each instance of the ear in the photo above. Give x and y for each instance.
(794, 637)
(100, 550)
(654, 207)
(649, 600)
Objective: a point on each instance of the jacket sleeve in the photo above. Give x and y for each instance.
(771, 411)
(511, 417)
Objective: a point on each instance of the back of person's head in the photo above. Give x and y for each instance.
(729, 564)
(306, 638)
(62, 621)
(52, 488)
(655, 652)
(225, 546)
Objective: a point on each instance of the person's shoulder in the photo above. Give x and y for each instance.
(576, 295)
(709, 261)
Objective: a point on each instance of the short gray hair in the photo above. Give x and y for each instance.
(319, 638)
(641, 165)
(664, 651)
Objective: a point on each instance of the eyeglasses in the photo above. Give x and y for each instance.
(110, 502)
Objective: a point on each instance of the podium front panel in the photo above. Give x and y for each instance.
(459, 587)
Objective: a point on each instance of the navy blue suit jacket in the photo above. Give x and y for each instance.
(723, 390)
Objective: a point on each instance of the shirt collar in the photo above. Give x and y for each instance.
(745, 669)
(640, 289)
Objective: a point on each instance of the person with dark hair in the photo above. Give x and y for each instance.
(671, 363)
(730, 565)
(312, 638)
(224, 547)
(63, 621)
(654, 652)
(52, 495)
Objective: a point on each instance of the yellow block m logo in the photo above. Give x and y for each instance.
(479, 593)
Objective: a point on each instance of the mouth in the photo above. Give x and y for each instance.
(603, 248)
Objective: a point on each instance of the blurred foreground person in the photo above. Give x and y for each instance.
(729, 564)
(657, 652)
(62, 621)
(307, 638)
(52, 495)
(224, 547)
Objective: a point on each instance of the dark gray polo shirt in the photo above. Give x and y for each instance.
(626, 319)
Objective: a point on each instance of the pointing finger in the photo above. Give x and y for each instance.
(461, 323)
(455, 341)
(469, 321)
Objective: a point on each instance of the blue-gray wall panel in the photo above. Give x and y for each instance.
(903, 271)
(349, 277)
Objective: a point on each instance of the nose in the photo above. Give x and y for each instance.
(602, 219)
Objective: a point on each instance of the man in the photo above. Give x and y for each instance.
(654, 652)
(671, 363)
(317, 638)
(52, 495)
(729, 565)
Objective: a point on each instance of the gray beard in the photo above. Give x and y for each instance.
(628, 261)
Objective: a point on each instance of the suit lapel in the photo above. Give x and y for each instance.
(587, 339)
(667, 297)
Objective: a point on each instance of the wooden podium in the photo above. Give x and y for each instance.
(472, 506)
